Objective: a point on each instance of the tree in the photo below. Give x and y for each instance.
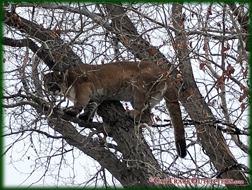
(204, 45)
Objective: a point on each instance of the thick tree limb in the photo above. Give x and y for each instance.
(127, 34)
(42, 54)
(21, 43)
(92, 148)
(54, 51)
(137, 154)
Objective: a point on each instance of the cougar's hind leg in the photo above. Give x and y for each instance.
(141, 111)
(143, 89)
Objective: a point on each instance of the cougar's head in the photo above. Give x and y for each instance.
(53, 82)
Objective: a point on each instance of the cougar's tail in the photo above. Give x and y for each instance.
(176, 119)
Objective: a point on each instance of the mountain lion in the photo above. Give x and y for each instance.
(142, 83)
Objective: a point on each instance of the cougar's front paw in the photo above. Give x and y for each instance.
(72, 111)
(86, 117)
(89, 112)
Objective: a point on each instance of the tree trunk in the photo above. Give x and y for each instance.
(137, 156)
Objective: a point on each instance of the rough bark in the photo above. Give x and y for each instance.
(137, 155)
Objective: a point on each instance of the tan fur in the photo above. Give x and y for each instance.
(141, 83)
